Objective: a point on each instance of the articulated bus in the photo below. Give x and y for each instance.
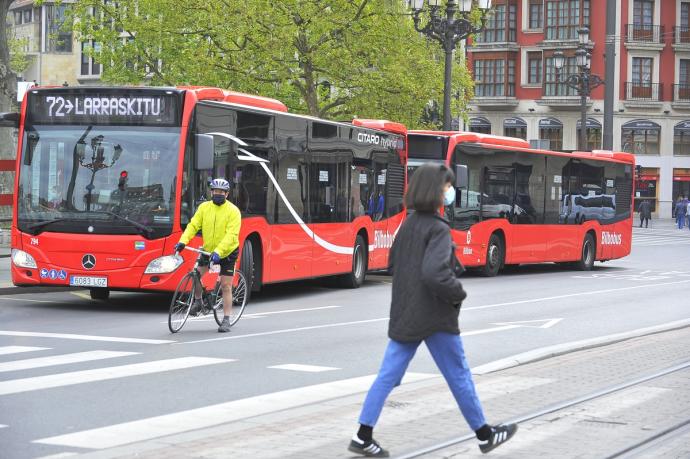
(517, 205)
(108, 178)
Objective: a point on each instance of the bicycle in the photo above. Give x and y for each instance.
(183, 298)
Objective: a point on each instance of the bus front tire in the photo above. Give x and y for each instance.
(495, 255)
(355, 278)
(588, 254)
(99, 293)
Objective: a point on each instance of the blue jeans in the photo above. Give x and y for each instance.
(449, 355)
(681, 221)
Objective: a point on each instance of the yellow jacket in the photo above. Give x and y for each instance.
(219, 225)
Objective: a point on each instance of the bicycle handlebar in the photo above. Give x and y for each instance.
(208, 254)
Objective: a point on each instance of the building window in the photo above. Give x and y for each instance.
(491, 78)
(640, 137)
(565, 17)
(17, 18)
(515, 127)
(89, 66)
(593, 135)
(28, 16)
(480, 125)
(551, 129)
(553, 86)
(59, 34)
(681, 139)
(536, 14)
(501, 26)
(643, 12)
(535, 68)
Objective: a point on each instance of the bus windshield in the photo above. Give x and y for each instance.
(98, 179)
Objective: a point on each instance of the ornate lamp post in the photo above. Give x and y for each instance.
(448, 31)
(583, 81)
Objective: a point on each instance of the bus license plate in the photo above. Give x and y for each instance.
(88, 281)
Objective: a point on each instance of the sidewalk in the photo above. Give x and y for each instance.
(422, 414)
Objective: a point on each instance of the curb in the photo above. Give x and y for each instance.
(574, 346)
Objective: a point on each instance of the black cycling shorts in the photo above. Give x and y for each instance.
(227, 264)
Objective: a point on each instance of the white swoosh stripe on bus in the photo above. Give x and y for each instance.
(248, 156)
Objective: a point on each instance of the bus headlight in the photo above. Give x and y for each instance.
(23, 259)
(164, 265)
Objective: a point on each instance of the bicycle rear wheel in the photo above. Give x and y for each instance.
(181, 303)
(239, 299)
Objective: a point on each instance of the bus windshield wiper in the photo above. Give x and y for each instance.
(144, 230)
(37, 226)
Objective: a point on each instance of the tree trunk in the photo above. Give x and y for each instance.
(8, 96)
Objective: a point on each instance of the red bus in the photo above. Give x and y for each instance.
(107, 179)
(517, 205)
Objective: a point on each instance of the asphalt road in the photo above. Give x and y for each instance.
(293, 335)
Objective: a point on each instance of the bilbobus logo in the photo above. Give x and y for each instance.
(383, 240)
(611, 238)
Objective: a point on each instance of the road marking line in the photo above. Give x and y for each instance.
(259, 315)
(64, 359)
(199, 418)
(16, 386)
(287, 330)
(113, 339)
(5, 350)
(58, 455)
(570, 295)
(2, 426)
(306, 368)
(25, 299)
(82, 295)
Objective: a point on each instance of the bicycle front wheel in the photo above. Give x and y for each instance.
(239, 299)
(181, 303)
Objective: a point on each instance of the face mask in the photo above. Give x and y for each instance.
(449, 196)
(218, 199)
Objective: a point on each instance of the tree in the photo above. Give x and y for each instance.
(327, 58)
(8, 80)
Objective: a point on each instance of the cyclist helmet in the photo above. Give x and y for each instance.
(220, 184)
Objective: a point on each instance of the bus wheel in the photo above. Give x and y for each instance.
(99, 293)
(359, 266)
(247, 266)
(589, 251)
(494, 257)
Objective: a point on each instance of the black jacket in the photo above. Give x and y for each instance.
(426, 293)
(645, 209)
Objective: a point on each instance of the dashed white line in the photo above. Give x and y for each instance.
(305, 368)
(6, 350)
(113, 339)
(65, 359)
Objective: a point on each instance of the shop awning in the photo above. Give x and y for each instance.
(479, 121)
(514, 122)
(550, 122)
(683, 126)
(642, 124)
(591, 123)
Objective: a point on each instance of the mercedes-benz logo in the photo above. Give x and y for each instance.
(88, 261)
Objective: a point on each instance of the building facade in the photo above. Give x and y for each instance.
(519, 93)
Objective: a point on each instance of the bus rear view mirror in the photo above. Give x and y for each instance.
(204, 152)
(32, 139)
(461, 176)
(10, 120)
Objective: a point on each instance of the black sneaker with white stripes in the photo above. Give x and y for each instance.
(366, 448)
(499, 435)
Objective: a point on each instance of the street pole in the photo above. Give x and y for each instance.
(609, 73)
(584, 85)
(449, 46)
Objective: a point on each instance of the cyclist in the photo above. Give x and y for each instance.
(219, 221)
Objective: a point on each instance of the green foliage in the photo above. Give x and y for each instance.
(329, 58)
(19, 61)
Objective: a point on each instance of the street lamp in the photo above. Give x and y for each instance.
(583, 81)
(448, 31)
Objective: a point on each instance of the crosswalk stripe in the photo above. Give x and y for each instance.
(306, 368)
(199, 418)
(16, 386)
(64, 359)
(2, 426)
(113, 339)
(5, 350)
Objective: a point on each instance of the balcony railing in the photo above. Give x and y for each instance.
(635, 90)
(644, 33)
(681, 92)
(681, 35)
(494, 90)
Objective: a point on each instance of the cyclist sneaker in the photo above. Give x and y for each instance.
(197, 308)
(366, 448)
(499, 435)
(224, 326)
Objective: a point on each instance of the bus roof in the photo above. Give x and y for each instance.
(505, 143)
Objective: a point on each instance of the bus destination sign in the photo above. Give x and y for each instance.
(104, 108)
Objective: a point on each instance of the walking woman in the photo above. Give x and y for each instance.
(425, 304)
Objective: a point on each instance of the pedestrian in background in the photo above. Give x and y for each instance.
(687, 213)
(645, 210)
(680, 212)
(425, 304)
